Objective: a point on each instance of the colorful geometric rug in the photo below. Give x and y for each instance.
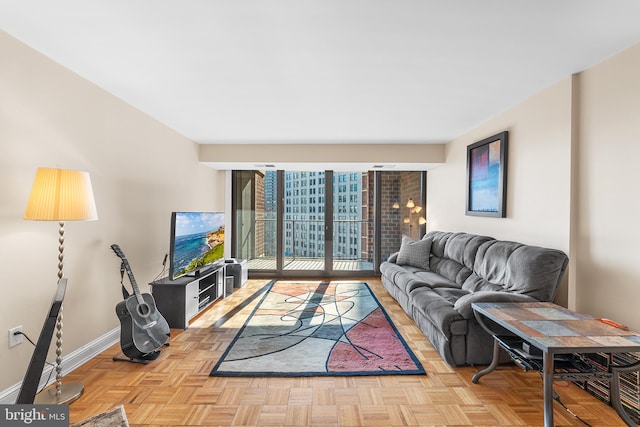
(318, 329)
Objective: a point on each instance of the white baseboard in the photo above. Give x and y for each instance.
(69, 362)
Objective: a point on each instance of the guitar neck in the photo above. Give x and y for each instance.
(126, 266)
(132, 279)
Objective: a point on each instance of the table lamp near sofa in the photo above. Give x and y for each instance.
(61, 195)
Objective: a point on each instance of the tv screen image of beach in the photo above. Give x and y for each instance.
(197, 240)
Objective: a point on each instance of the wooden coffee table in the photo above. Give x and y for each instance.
(554, 330)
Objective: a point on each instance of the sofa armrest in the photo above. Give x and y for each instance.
(393, 257)
(463, 304)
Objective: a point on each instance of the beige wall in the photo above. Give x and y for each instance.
(538, 180)
(607, 228)
(573, 154)
(140, 170)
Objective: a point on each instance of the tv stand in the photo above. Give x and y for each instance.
(182, 299)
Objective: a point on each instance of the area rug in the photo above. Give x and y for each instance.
(114, 417)
(318, 329)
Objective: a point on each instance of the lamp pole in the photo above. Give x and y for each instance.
(61, 195)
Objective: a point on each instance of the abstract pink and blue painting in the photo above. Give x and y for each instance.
(484, 177)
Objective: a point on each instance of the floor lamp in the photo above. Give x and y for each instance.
(412, 209)
(61, 195)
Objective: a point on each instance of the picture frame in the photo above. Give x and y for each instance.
(487, 176)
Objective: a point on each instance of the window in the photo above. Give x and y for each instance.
(297, 199)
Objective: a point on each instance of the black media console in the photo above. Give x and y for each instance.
(182, 299)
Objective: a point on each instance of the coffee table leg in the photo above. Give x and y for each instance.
(492, 366)
(615, 390)
(547, 388)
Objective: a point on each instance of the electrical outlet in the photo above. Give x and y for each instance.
(15, 339)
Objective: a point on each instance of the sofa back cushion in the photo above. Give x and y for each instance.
(514, 267)
(439, 240)
(463, 247)
(453, 254)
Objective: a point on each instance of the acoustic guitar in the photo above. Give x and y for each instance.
(142, 328)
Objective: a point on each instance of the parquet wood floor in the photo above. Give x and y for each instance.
(176, 390)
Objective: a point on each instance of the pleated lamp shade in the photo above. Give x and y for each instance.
(61, 195)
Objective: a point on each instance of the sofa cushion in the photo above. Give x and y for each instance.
(415, 253)
(475, 283)
(462, 248)
(406, 282)
(449, 269)
(518, 268)
(535, 272)
(435, 280)
(436, 306)
(439, 241)
(391, 270)
(453, 254)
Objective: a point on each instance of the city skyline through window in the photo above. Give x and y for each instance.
(320, 221)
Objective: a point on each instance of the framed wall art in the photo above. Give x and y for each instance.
(487, 176)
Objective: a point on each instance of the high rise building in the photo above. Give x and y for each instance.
(304, 213)
(270, 212)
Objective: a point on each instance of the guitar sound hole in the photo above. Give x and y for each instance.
(143, 310)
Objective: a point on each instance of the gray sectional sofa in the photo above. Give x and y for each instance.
(436, 280)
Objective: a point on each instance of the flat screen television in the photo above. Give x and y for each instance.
(197, 242)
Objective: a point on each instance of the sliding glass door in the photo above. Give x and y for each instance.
(255, 231)
(351, 222)
(313, 223)
(304, 241)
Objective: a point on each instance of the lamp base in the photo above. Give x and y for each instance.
(70, 393)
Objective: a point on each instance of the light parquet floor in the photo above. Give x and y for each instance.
(176, 390)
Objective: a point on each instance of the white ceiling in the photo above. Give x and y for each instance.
(324, 71)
